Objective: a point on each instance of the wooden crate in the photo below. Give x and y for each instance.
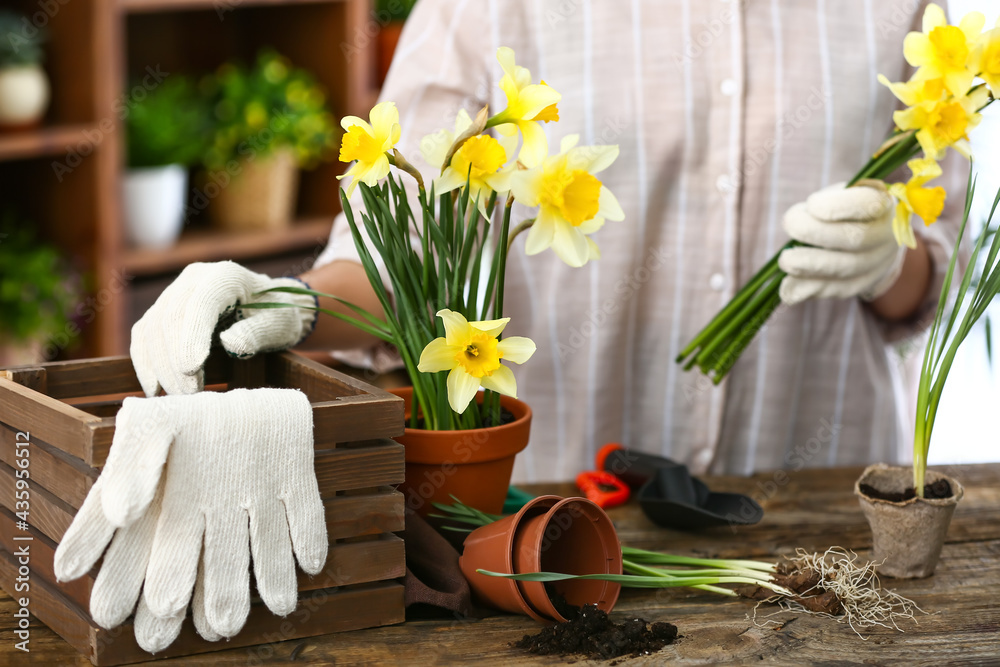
(68, 408)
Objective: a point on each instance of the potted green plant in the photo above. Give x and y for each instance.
(37, 296)
(444, 307)
(391, 15)
(165, 134)
(24, 86)
(909, 510)
(267, 121)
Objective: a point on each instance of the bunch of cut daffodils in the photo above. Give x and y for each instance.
(943, 103)
(445, 258)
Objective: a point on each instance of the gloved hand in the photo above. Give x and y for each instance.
(855, 251)
(172, 340)
(239, 480)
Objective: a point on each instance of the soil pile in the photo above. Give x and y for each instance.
(592, 634)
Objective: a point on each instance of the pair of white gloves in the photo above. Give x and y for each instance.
(195, 484)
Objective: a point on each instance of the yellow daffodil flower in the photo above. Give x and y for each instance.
(572, 202)
(943, 123)
(482, 160)
(914, 92)
(942, 51)
(528, 105)
(913, 198)
(367, 144)
(472, 354)
(986, 58)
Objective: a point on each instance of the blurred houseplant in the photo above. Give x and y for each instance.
(444, 263)
(37, 296)
(266, 122)
(24, 86)
(166, 135)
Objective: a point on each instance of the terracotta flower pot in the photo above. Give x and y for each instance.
(491, 547)
(906, 535)
(574, 537)
(473, 465)
(388, 38)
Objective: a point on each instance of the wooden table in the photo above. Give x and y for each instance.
(812, 509)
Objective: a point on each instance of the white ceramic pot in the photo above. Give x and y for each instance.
(24, 95)
(154, 205)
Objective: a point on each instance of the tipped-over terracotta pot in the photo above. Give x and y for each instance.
(473, 465)
(907, 536)
(549, 534)
(574, 537)
(491, 547)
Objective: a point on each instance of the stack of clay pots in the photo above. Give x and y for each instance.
(548, 534)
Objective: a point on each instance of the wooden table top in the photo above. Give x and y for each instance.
(812, 509)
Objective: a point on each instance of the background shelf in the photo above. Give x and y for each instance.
(211, 245)
(54, 140)
(96, 49)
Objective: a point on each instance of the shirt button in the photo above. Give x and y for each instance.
(728, 87)
(724, 184)
(717, 282)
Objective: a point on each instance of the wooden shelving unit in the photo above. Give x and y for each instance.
(66, 175)
(211, 246)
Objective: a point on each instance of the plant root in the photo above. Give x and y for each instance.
(839, 574)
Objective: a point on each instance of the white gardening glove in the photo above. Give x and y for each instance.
(239, 478)
(171, 341)
(854, 253)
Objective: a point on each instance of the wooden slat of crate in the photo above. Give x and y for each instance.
(42, 550)
(49, 419)
(347, 516)
(325, 611)
(378, 559)
(344, 410)
(375, 463)
(67, 476)
(108, 375)
(48, 513)
(378, 511)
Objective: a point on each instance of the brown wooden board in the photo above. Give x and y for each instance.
(379, 511)
(344, 409)
(66, 476)
(49, 419)
(47, 513)
(377, 559)
(322, 611)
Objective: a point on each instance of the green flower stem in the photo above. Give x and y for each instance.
(945, 339)
(727, 359)
(738, 301)
(637, 581)
(736, 324)
(657, 558)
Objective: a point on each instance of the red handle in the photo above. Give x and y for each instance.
(603, 488)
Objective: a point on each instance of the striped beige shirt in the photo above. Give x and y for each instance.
(727, 113)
